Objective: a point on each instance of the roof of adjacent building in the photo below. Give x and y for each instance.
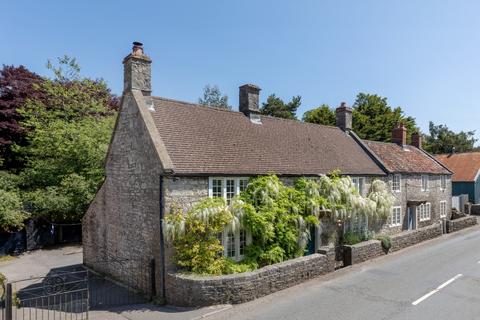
(405, 159)
(205, 140)
(465, 166)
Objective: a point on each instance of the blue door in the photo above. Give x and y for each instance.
(410, 218)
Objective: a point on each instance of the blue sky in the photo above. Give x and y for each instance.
(422, 55)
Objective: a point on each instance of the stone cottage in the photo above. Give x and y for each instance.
(466, 173)
(166, 152)
(422, 185)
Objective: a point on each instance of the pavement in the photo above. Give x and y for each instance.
(39, 263)
(438, 279)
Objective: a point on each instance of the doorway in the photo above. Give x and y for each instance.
(411, 218)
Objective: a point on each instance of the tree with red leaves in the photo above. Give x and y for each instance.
(17, 84)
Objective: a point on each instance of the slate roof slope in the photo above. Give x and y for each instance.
(203, 140)
(405, 159)
(465, 166)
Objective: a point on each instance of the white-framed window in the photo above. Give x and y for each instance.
(443, 182)
(396, 182)
(443, 209)
(425, 182)
(396, 217)
(359, 183)
(234, 243)
(226, 187)
(424, 211)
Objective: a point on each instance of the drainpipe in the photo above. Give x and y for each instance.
(162, 241)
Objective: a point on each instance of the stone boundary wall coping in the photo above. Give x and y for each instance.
(194, 290)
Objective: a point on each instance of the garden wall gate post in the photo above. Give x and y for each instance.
(8, 302)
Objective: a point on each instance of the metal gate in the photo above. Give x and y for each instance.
(69, 293)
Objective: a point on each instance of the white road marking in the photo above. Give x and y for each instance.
(440, 287)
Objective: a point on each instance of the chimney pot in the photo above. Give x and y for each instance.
(417, 140)
(344, 117)
(137, 49)
(399, 135)
(249, 100)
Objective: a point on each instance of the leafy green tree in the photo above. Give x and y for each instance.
(212, 97)
(443, 140)
(12, 214)
(67, 139)
(320, 115)
(276, 107)
(374, 119)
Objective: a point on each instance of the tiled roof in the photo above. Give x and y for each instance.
(405, 159)
(465, 166)
(204, 140)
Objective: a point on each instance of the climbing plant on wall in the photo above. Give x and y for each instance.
(278, 218)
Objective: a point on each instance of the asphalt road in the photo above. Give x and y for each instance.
(439, 279)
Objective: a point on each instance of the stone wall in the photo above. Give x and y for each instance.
(371, 249)
(362, 251)
(475, 209)
(461, 223)
(123, 222)
(410, 238)
(194, 291)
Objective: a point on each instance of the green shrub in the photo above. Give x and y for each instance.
(351, 238)
(234, 267)
(386, 242)
(195, 236)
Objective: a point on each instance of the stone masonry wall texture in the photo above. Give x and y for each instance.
(195, 291)
(411, 190)
(371, 249)
(461, 223)
(123, 222)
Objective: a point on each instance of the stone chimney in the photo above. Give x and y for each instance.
(344, 117)
(399, 135)
(417, 140)
(137, 71)
(249, 101)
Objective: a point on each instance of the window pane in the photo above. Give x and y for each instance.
(243, 241)
(230, 189)
(217, 188)
(242, 184)
(231, 245)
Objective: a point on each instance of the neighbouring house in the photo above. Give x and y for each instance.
(421, 184)
(167, 153)
(466, 173)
